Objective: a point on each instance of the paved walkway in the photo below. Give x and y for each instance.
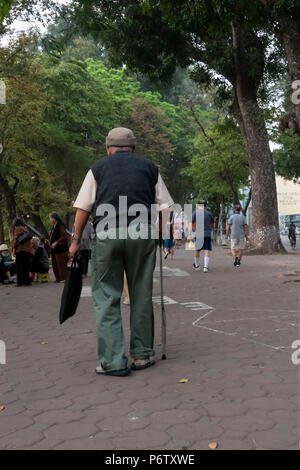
(287, 245)
(229, 336)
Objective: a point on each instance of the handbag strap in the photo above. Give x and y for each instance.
(76, 262)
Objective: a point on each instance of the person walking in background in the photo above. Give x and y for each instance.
(238, 230)
(85, 247)
(22, 250)
(201, 244)
(169, 243)
(292, 234)
(59, 241)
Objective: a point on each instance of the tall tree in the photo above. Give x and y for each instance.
(219, 166)
(223, 44)
(282, 18)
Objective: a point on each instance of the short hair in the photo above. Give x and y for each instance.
(55, 216)
(237, 207)
(203, 202)
(123, 147)
(18, 222)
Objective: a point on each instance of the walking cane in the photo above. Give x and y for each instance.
(163, 313)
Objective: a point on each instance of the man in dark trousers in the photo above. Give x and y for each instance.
(121, 174)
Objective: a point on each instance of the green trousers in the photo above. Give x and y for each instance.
(110, 258)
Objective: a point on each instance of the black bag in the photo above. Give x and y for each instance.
(72, 290)
(25, 237)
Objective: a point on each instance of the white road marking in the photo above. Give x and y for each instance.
(86, 291)
(260, 343)
(167, 300)
(170, 272)
(196, 305)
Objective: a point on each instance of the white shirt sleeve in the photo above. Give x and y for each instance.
(162, 195)
(87, 195)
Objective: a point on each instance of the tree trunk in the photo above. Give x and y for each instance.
(37, 223)
(289, 33)
(10, 203)
(264, 236)
(2, 238)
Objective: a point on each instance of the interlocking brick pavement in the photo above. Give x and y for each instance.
(235, 351)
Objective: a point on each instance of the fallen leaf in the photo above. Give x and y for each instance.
(183, 381)
(213, 445)
(256, 334)
(2, 408)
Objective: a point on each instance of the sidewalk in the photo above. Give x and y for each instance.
(230, 333)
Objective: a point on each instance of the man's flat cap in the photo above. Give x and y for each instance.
(120, 137)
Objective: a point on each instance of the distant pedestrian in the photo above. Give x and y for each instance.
(23, 250)
(202, 243)
(59, 241)
(85, 247)
(292, 234)
(169, 243)
(238, 230)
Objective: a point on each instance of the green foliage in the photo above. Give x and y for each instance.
(219, 169)
(287, 158)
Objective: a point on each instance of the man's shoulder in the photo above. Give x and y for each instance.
(102, 162)
(99, 164)
(208, 212)
(145, 160)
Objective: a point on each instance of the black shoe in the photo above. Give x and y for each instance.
(235, 261)
(238, 262)
(114, 373)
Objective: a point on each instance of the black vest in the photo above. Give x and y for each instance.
(124, 174)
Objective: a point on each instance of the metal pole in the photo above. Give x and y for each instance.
(163, 313)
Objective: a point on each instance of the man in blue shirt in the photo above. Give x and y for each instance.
(200, 243)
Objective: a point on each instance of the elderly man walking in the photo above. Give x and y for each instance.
(121, 174)
(238, 229)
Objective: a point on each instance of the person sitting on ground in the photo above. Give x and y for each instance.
(7, 265)
(40, 261)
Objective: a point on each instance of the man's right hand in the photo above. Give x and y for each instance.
(74, 248)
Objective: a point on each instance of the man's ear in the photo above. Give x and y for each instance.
(107, 150)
